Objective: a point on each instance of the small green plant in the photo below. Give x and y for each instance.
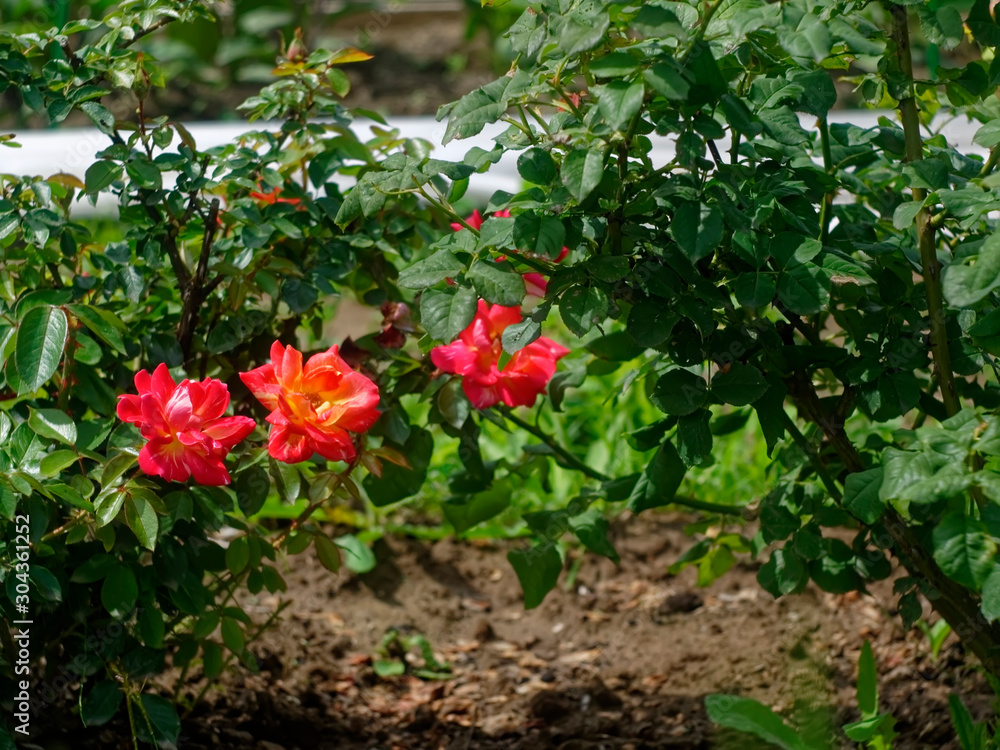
(394, 657)
(972, 735)
(936, 634)
(874, 729)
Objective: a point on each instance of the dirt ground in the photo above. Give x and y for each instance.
(622, 660)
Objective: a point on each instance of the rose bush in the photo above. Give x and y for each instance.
(734, 257)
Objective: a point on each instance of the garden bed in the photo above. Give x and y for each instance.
(623, 660)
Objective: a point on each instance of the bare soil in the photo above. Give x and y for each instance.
(622, 660)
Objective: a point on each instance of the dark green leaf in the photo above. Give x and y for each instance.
(582, 171)
(538, 571)
(658, 483)
(41, 338)
(583, 307)
(445, 314)
(964, 549)
(537, 166)
(619, 102)
(119, 592)
(430, 271)
(101, 704)
(740, 385)
(679, 392)
(697, 229)
(496, 283)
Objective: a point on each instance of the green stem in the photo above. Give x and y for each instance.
(573, 462)
(814, 459)
(827, 208)
(568, 458)
(926, 238)
(440, 206)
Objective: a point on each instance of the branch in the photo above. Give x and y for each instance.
(926, 238)
(146, 31)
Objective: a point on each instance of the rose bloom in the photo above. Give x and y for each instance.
(534, 283)
(312, 407)
(183, 425)
(476, 353)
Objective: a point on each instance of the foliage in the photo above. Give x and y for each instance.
(875, 730)
(831, 284)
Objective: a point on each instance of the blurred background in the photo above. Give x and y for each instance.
(426, 52)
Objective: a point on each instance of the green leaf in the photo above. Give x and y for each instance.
(119, 592)
(445, 314)
(747, 715)
(619, 102)
(252, 488)
(741, 385)
(212, 659)
(538, 571)
(650, 322)
(679, 392)
(867, 682)
(104, 324)
(141, 518)
(697, 229)
(580, 32)
(754, 290)
(694, 437)
(163, 717)
(965, 285)
(583, 307)
(327, 552)
(659, 481)
(101, 704)
(991, 595)
(232, 635)
(539, 234)
(41, 338)
(905, 214)
(151, 627)
(100, 175)
(516, 337)
(495, 283)
(804, 289)
(487, 104)
(591, 528)
(100, 115)
(397, 483)
(582, 171)
(988, 135)
(53, 424)
(613, 65)
(783, 574)
(237, 555)
(359, 557)
(965, 728)
(430, 271)
(964, 549)
(56, 461)
(861, 495)
(464, 513)
(537, 166)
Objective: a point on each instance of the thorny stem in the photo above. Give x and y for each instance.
(925, 227)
